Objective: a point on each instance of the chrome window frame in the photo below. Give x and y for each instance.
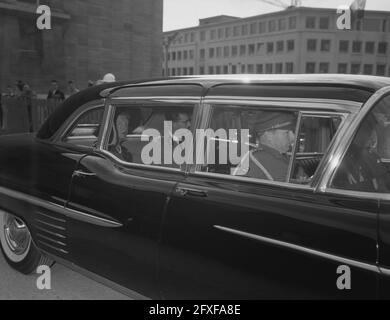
(302, 106)
(111, 104)
(72, 119)
(341, 148)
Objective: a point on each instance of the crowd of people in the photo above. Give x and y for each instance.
(23, 92)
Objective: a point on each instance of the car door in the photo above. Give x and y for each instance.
(232, 233)
(120, 198)
(369, 148)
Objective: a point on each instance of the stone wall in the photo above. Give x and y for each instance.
(89, 38)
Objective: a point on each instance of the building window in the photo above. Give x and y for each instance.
(324, 67)
(236, 31)
(382, 48)
(211, 70)
(292, 23)
(282, 24)
(356, 47)
(174, 56)
(220, 33)
(212, 34)
(344, 46)
(234, 51)
(191, 72)
(368, 69)
(185, 55)
(269, 68)
(280, 46)
(186, 38)
(219, 52)
(225, 69)
(202, 53)
(372, 25)
(201, 70)
(271, 26)
(342, 68)
(211, 53)
(226, 52)
(228, 31)
(218, 70)
(370, 47)
(253, 28)
(251, 49)
(290, 45)
(279, 68)
(251, 68)
(178, 72)
(310, 22)
(192, 37)
(289, 67)
(173, 71)
(325, 45)
(244, 30)
(260, 45)
(310, 67)
(179, 55)
(203, 36)
(259, 69)
(242, 50)
(270, 47)
(380, 69)
(191, 52)
(234, 69)
(185, 72)
(324, 23)
(262, 27)
(243, 68)
(355, 68)
(311, 44)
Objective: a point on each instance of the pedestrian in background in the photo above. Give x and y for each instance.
(55, 93)
(72, 89)
(27, 97)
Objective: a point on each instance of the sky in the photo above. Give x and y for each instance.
(186, 13)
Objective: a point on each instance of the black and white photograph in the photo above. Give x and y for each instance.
(194, 155)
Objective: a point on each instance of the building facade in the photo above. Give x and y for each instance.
(296, 40)
(88, 39)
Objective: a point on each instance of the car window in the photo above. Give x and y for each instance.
(366, 165)
(151, 135)
(86, 129)
(250, 142)
(315, 136)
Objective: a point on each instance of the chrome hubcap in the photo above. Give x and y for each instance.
(16, 234)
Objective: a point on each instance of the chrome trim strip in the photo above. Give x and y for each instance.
(338, 259)
(259, 182)
(343, 105)
(160, 98)
(385, 271)
(138, 165)
(77, 215)
(297, 100)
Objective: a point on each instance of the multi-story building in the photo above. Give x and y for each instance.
(296, 40)
(88, 39)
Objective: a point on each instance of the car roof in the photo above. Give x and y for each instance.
(363, 82)
(344, 87)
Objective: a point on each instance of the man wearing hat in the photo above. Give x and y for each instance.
(273, 136)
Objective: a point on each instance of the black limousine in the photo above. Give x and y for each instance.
(309, 196)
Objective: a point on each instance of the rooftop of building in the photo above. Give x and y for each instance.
(217, 20)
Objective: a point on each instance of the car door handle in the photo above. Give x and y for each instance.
(82, 174)
(184, 192)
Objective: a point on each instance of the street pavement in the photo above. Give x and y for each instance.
(66, 285)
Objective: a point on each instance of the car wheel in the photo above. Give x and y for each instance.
(17, 246)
